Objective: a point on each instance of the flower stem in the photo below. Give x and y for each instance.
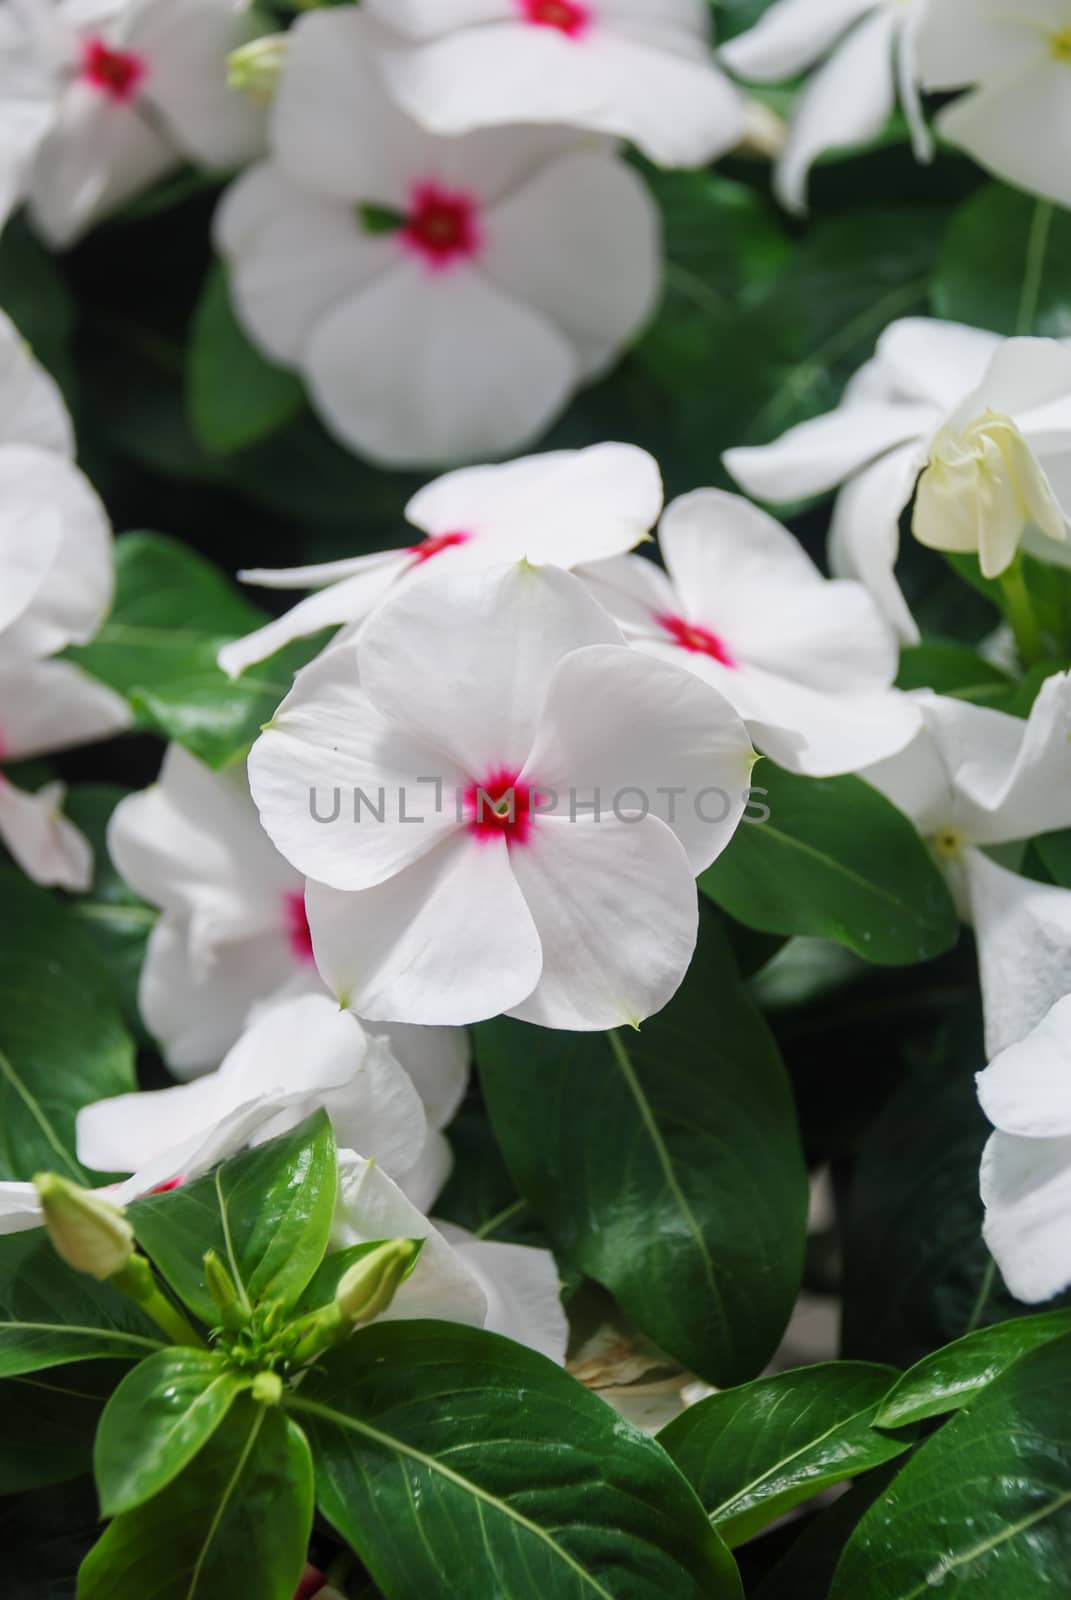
(138, 1284)
(1036, 247)
(1019, 610)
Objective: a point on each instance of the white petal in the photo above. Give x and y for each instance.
(47, 847)
(580, 242)
(522, 1289)
(1026, 1187)
(30, 537)
(187, 43)
(346, 795)
(464, 661)
(645, 734)
(448, 941)
(561, 508)
(961, 41)
(917, 782)
(371, 1207)
(789, 36)
(348, 601)
(633, 590)
(32, 410)
(908, 80)
(616, 909)
(427, 1178)
(52, 705)
(864, 533)
(437, 1060)
(847, 102)
(1026, 1090)
(816, 456)
(1023, 933)
(131, 1131)
(934, 363)
(422, 368)
(20, 1207)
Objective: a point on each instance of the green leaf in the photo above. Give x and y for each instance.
(983, 1509)
(173, 610)
(664, 1163)
(235, 396)
(1025, 244)
(235, 1522)
(35, 297)
(806, 1571)
(50, 1420)
(948, 668)
(160, 1416)
(950, 1378)
(836, 860)
(267, 1213)
(380, 219)
(752, 1453)
(62, 1038)
(457, 1462)
(50, 1315)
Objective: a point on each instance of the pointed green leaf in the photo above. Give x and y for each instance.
(50, 1419)
(950, 1378)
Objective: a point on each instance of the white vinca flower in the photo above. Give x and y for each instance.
(1026, 1166)
(436, 783)
(56, 578)
(563, 507)
(640, 69)
(986, 421)
(975, 778)
(807, 662)
(442, 298)
(1018, 58)
(864, 53)
(233, 935)
(106, 97)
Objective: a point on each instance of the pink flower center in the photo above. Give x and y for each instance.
(297, 927)
(436, 545)
(166, 1187)
(568, 16)
(443, 226)
(500, 807)
(116, 73)
(693, 636)
(312, 1581)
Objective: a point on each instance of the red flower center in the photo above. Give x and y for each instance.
(568, 16)
(297, 927)
(168, 1185)
(500, 807)
(443, 226)
(312, 1581)
(116, 73)
(693, 636)
(435, 545)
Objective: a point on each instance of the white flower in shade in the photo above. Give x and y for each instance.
(113, 95)
(507, 1288)
(991, 416)
(442, 298)
(976, 778)
(560, 508)
(1014, 122)
(640, 69)
(233, 934)
(1026, 1166)
(864, 54)
(807, 662)
(478, 714)
(56, 578)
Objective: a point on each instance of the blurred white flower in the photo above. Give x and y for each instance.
(1026, 1166)
(102, 97)
(442, 298)
(1015, 120)
(470, 869)
(928, 382)
(639, 69)
(563, 507)
(975, 778)
(807, 662)
(56, 579)
(864, 53)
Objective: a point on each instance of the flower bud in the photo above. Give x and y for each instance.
(367, 1288)
(90, 1233)
(267, 1388)
(232, 1313)
(254, 69)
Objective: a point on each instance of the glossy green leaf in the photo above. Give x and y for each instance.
(50, 1315)
(267, 1213)
(806, 1571)
(837, 860)
(752, 1453)
(159, 1417)
(116, 919)
(173, 610)
(235, 396)
(50, 1420)
(1005, 264)
(236, 1522)
(457, 1462)
(664, 1163)
(983, 1509)
(62, 1038)
(950, 1378)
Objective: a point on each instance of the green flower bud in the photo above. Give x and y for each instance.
(90, 1233)
(254, 69)
(368, 1287)
(267, 1388)
(221, 1286)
